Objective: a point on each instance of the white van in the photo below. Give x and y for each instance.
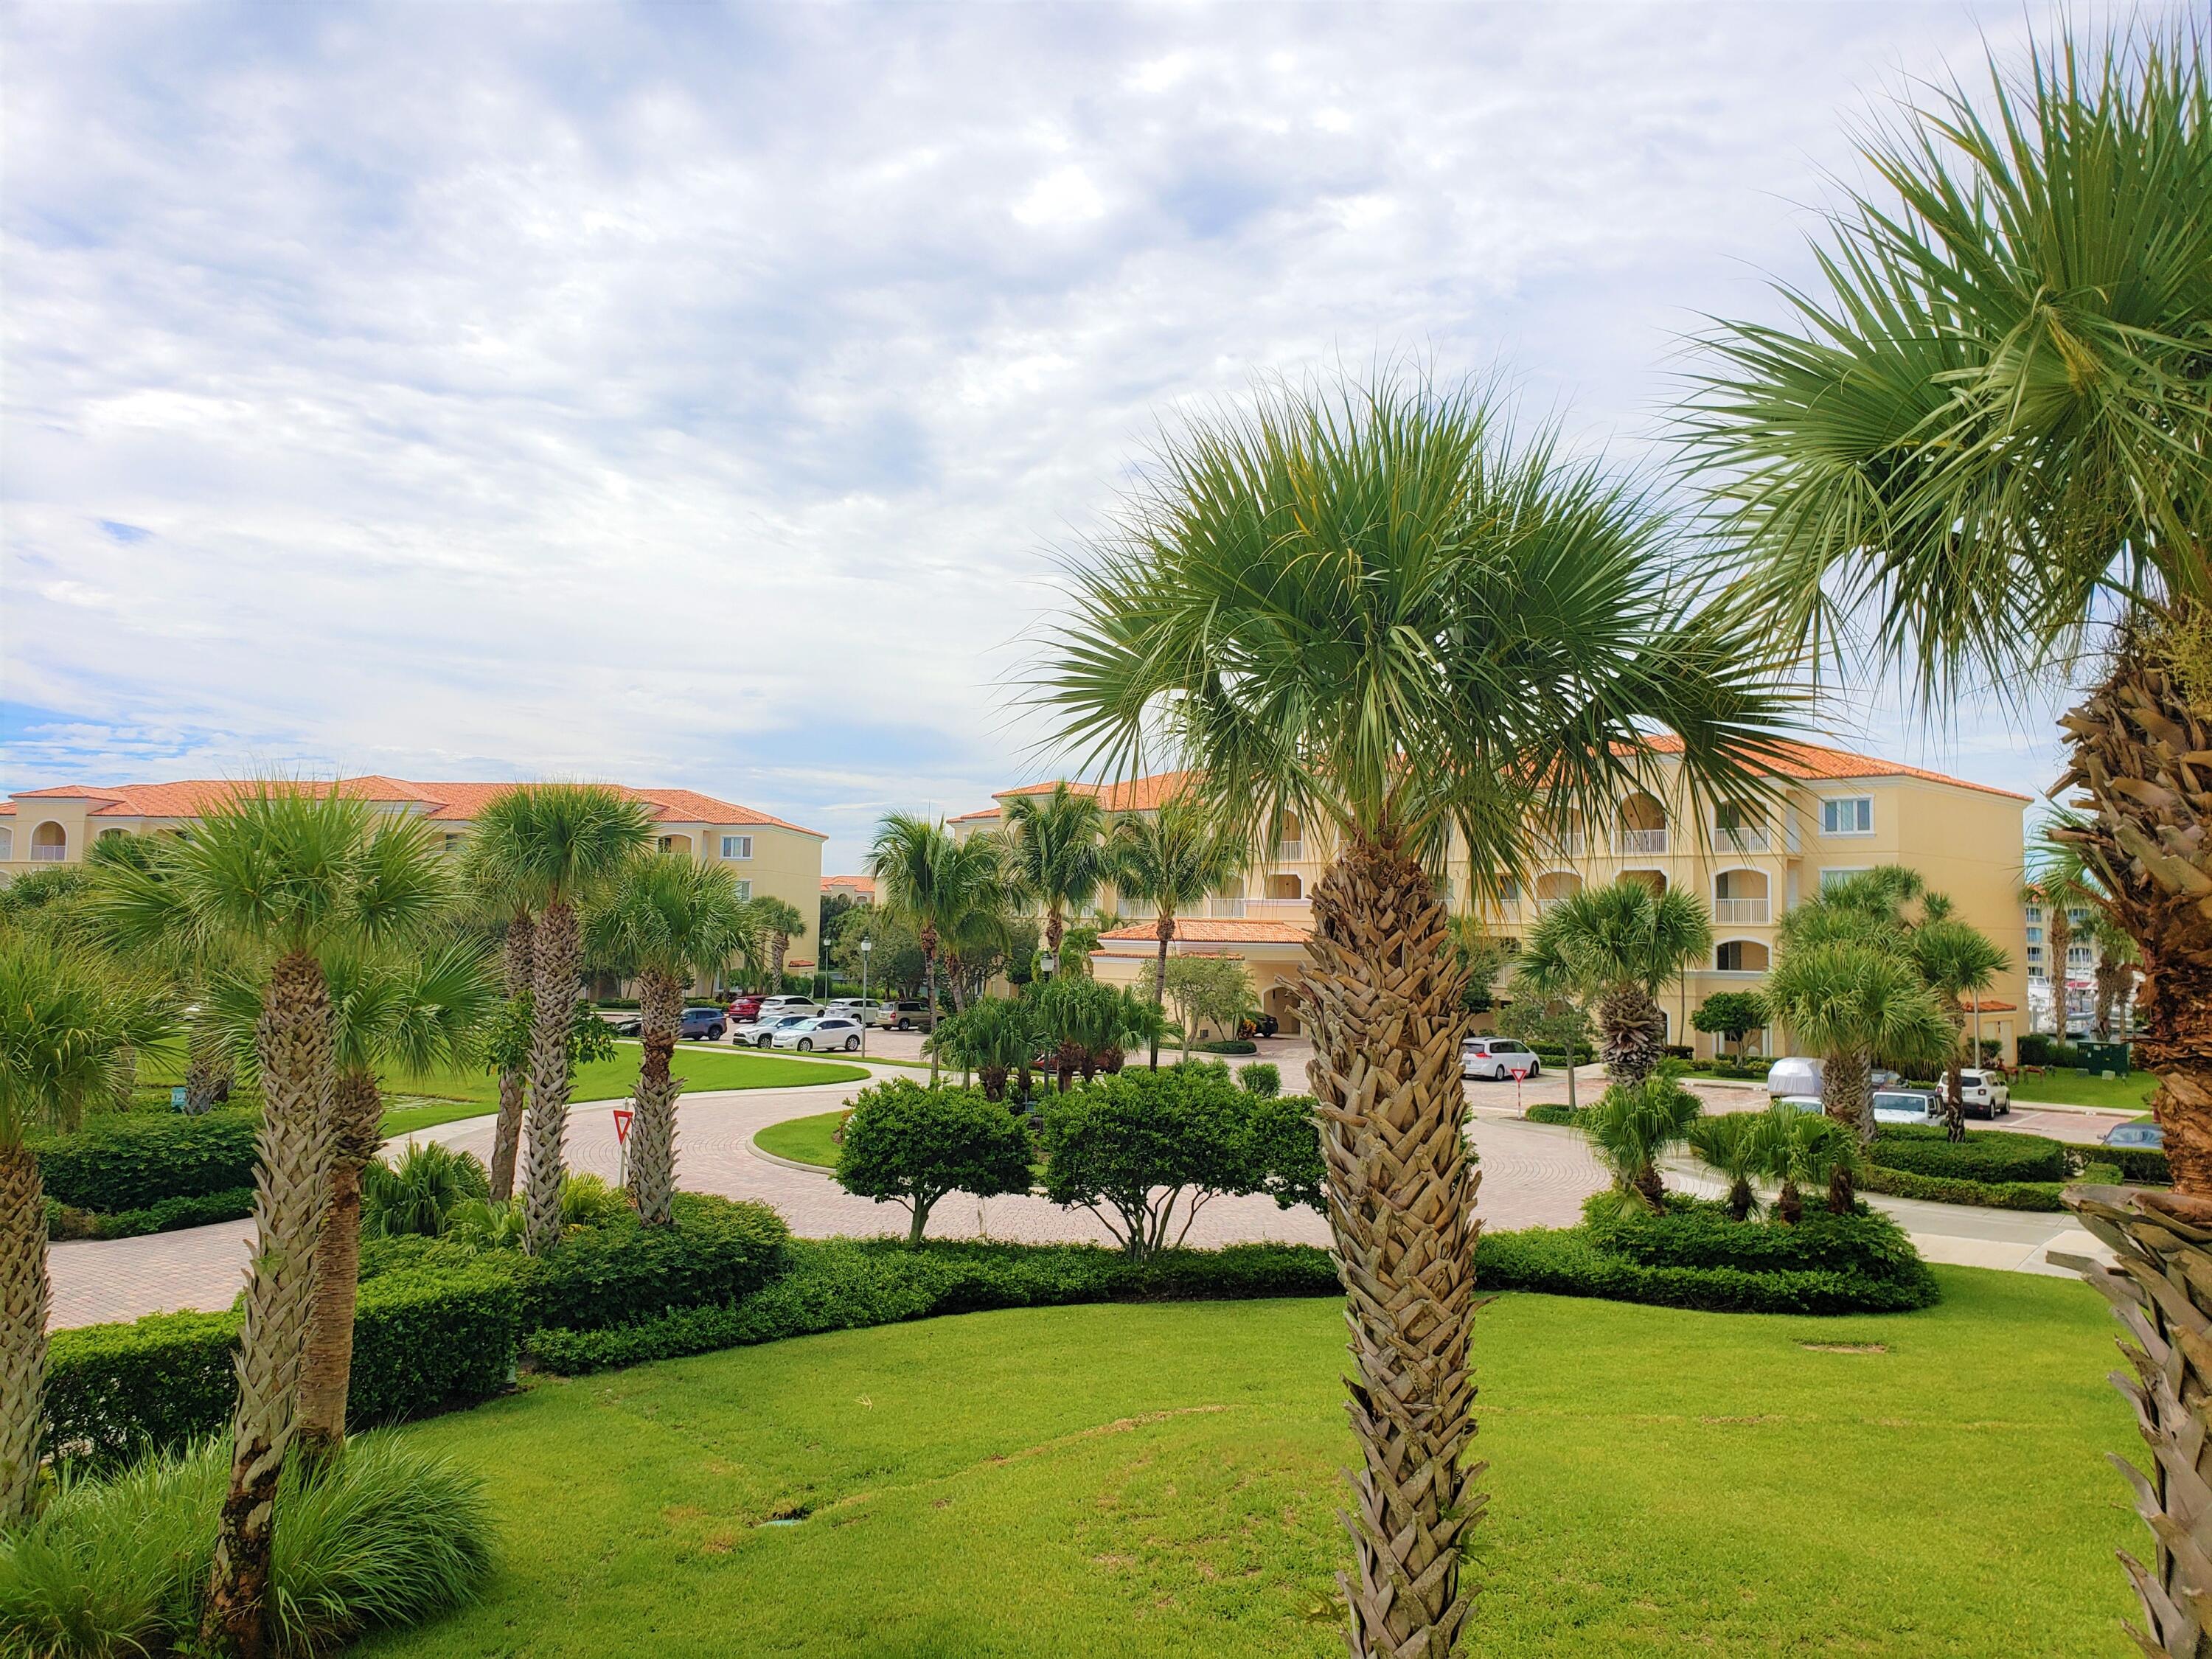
(1792, 1075)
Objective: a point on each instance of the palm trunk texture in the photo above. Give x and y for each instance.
(23, 1299)
(297, 1075)
(356, 1115)
(207, 1068)
(928, 941)
(553, 996)
(1164, 930)
(1382, 990)
(652, 1132)
(1633, 1033)
(521, 964)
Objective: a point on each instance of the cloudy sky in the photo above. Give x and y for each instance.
(697, 396)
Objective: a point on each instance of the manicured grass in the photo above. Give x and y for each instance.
(1163, 1480)
(803, 1139)
(453, 1095)
(2130, 1093)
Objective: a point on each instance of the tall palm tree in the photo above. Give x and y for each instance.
(1055, 854)
(554, 842)
(1374, 608)
(287, 871)
(1855, 1002)
(1956, 960)
(2060, 879)
(925, 876)
(1620, 944)
(67, 1022)
(666, 920)
(2116, 973)
(412, 1010)
(1171, 859)
(503, 898)
(1986, 426)
(778, 923)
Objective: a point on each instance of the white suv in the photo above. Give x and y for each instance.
(1498, 1058)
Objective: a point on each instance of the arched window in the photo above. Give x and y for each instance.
(1554, 885)
(49, 843)
(1740, 956)
(1643, 826)
(1654, 879)
(7, 844)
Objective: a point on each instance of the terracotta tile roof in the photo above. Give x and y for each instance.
(1988, 1007)
(1132, 795)
(1208, 932)
(864, 886)
(981, 812)
(449, 802)
(1815, 762)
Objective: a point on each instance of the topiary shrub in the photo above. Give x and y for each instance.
(1693, 1232)
(1991, 1156)
(716, 1249)
(125, 1161)
(1568, 1115)
(1262, 1078)
(907, 1145)
(1228, 1046)
(1138, 1148)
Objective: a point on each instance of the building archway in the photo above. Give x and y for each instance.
(49, 843)
(1740, 956)
(1554, 885)
(1282, 1002)
(1654, 879)
(1742, 897)
(1643, 825)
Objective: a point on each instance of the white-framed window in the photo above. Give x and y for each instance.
(2035, 936)
(736, 847)
(744, 889)
(453, 843)
(2077, 917)
(2077, 956)
(7, 844)
(2035, 913)
(49, 844)
(1835, 875)
(1847, 815)
(2035, 953)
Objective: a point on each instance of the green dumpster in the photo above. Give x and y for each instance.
(2100, 1057)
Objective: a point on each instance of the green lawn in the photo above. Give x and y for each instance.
(803, 1140)
(2130, 1093)
(1163, 1480)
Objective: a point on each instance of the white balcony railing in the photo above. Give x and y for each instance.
(1289, 851)
(41, 854)
(1570, 844)
(1296, 911)
(1230, 910)
(1741, 911)
(1743, 841)
(1640, 841)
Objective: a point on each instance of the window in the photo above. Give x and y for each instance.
(111, 833)
(1832, 877)
(2077, 956)
(736, 847)
(1847, 815)
(2035, 913)
(2035, 953)
(7, 844)
(2035, 936)
(452, 845)
(49, 844)
(745, 891)
(2078, 918)
(1740, 956)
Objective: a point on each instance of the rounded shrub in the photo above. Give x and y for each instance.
(1994, 1157)
(907, 1145)
(1262, 1077)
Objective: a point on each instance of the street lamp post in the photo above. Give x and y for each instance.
(866, 945)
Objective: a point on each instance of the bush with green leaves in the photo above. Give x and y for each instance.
(1987, 1155)
(1729, 1014)
(1286, 1151)
(167, 1215)
(1135, 1148)
(1566, 1262)
(1262, 1078)
(123, 1161)
(1694, 1232)
(912, 1145)
(713, 1250)
(386, 1537)
(417, 1194)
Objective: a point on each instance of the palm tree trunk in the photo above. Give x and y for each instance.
(778, 944)
(23, 1302)
(929, 973)
(295, 1039)
(207, 1068)
(1633, 1033)
(2062, 940)
(2138, 745)
(1790, 1204)
(513, 1090)
(1954, 1097)
(357, 1116)
(553, 997)
(1847, 1090)
(1055, 929)
(1741, 1199)
(652, 1134)
(1164, 930)
(1383, 987)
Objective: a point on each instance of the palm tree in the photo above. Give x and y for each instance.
(1988, 427)
(1055, 854)
(1633, 1126)
(1956, 960)
(1171, 859)
(665, 920)
(780, 923)
(413, 1010)
(67, 1023)
(288, 871)
(555, 841)
(501, 894)
(1732, 1144)
(925, 876)
(1855, 1002)
(2059, 879)
(1807, 1148)
(995, 1037)
(1620, 944)
(1375, 609)
(2116, 973)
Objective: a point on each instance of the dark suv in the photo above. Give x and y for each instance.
(702, 1025)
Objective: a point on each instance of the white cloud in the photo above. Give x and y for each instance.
(1065, 196)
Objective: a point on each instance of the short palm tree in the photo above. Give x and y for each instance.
(1985, 425)
(2059, 879)
(1732, 1144)
(995, 1037)
(2116, 974)
(502, 900)
(1620, 944)
(1808, 1149)
(1171, 859)
(1374, 608)
(926, 877)
(1055, 854)
(778, 923)
(665, 920)
(287, 872)
(67, 1023)
(1854, 1002)
(1633, 1126)
(1956, 960)
(554, 842)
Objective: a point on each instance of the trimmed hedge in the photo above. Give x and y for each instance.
(1567, 1115)
(168, 1215)
(1227, 1046)
(1563, 1262)
(128, 1161)
(422, 1342)
(842, 1284)
(1992, 1157)
(717, 1250)
(1990, 1195)
(1699, 1233)
(2143, 1166)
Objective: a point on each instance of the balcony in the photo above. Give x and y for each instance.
(1290, 852)
(45, 853)
(1743, 841)
(1639, 840)
(1298, 912)
(1741, 912)
(1222, 909)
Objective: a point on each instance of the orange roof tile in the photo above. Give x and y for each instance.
(1209, 932)
(450, 802)
(1815, 762)
(1131, 795)
(863, 886)
(981, 812)
(1988, 1007)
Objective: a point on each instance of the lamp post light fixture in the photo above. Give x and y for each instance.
(866, 1014)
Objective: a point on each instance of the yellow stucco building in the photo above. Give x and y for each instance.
(768, 856)
(1830, 812)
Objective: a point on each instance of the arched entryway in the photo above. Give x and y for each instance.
(49, 843)
(1741, 898)
(1282, 1002)
(1654, 879)
(1643, 825)
(1554, 886)
(1740, 956)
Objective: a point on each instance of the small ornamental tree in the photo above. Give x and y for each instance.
(907, 1145)
(1730, 1014)
(1262, 1078)
(1205, 990)
(1286, 1150)
(1134, 1146)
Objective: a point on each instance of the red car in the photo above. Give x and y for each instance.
(744, 1008)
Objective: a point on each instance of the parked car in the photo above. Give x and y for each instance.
(1907, 1106)
(1795, 1074)
(1985, 1094)
(2134, 1135)
(702, 1025)
(626, 1025)
(825, 1031)
(901, 1017)
(744, 1008)
(789, 1004)
(864, 1009)
(1498, 1058)
(758, 1033)
(1808, 1103)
